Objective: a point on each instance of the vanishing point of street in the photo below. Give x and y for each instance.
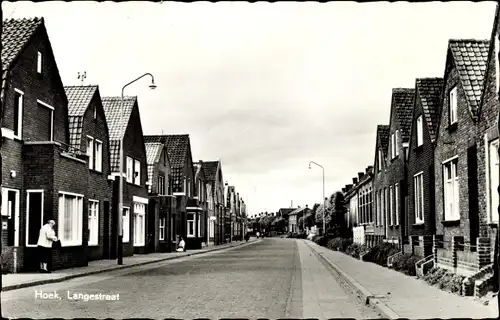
(273, 278)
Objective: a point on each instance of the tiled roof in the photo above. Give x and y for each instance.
(402, 104)
(79, 98)
(153, 152)
(75, 131)
(297, 211)
(16, 34)
(383, 134)
(210, 168)
(286, 211)
(177, 147)
(112, 111)
(471, 58)
(429, 91)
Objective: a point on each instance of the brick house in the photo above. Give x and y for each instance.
(216, 200)
(201, 196)
(161, 201)
(88, 130)
(365, 212)
(43, 178)
(393, 176)
(487, 142)
(351, 204)
(135, 175)
(455, 154)
(420, 217)
(187, 213)
(295, 219)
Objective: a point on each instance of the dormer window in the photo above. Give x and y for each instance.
(39, 63)
(420, 132)
(453, 106)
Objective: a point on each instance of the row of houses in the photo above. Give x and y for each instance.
(432, 185)
(60, 161)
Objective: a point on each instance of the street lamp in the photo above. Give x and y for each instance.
(120, 188)
(324, 202)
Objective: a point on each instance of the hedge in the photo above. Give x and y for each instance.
(379, 253)
(339, 244)
(406, 264)
(445, 280)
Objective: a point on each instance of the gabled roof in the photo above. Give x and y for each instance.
(177, 147)
(79, 98)
(153, 152)
(16, 34)
(402, 105)
(383, 134)
(297, 211)
(210, 168)
(471, 58)
(429, 91)
(285, 211)
(117, 124)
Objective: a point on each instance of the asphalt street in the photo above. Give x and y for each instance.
(274, 278)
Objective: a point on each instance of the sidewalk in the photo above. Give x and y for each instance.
(22, 280)
(399, 296)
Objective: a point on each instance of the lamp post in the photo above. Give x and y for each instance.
(324, 204)
(120, 187)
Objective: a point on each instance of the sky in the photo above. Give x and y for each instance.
(264, 87)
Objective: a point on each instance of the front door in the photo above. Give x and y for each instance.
(10, 209)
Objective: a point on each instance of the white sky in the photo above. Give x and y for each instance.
(266, 87)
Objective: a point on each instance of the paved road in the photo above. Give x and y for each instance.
(274, 278)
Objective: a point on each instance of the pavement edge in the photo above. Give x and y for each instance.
(90, 273)
(367, 296)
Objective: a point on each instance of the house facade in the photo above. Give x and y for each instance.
(365, 210)
(38, 165)
(162, 202)
(135, 190)
(379, 186)
(217, 200)
(455, 155)
(89, 135)
(351, 204)
(201, 196)
(420, 217)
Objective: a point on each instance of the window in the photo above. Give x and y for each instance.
(18, 113)
(98, 155)
(45, 121)
(453, 106)
(393, 146)
(90, 151)
(126, 225)
(161, 185)
(95, 112)
(137, 172)
(391, 206)
(139, 224)
(382, 202)
(184, 189)
(39, 63)
(420, 132)
(190, 225)
(162, 229)
(93, 222)
(380, 159)
(130, 169)
(34, 220)
(493, 180)
(396, 191)
(70, 219)
(396, 143)
(418, 188)
(451, 200)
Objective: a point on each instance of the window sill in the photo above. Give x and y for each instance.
(95, 171)
(418, 225)
(451, 223)
(138, 245)
(93, 245)
(68, 245)
(191, 236)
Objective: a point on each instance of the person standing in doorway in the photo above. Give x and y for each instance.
(182, 245)
(46, 237)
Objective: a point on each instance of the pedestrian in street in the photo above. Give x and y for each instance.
(46, 236)
(182, 245)
(258, 234)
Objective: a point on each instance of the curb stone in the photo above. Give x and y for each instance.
(94, 272)
(367, 296)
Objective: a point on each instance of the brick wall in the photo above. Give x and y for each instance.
(421, 159)
(454, 142)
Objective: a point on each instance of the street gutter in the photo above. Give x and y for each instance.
(117, 267)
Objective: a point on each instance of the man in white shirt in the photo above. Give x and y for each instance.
(182, 245)
(46, 237)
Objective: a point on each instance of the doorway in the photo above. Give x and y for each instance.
(10, 208)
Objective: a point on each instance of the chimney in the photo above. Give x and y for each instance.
(344, 190)
(307, 206)
(298, 206)
(370, 168)
(349, 186)
(360, 175)
(354, 180)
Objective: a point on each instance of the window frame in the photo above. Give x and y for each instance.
(137, 172)
(188, 221)
(98, 155)
(19, 109)
(420, 131)
(93, 217)
(418, 197)
(161, 229)
(453, 106)
(160, 190)
(493, 190)
(90, 152)
(77, 240)
(142, 214)
(126, 226)
(391, 206)
(28, 193)
(39, 63)
(396, 143)
(380, 159)
(51, 117)
(453, 181)
(130, 169)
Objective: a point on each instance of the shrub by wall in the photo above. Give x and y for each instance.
(379, 253)
(406, 264)
(339, 244)
(355, 249)
(445, 280)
